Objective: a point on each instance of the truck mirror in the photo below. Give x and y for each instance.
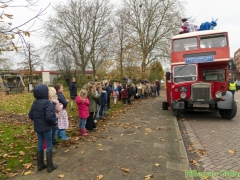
(167, 76)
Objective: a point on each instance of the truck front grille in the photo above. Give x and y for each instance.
(201, 92)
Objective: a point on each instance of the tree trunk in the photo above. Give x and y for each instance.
(144, 57)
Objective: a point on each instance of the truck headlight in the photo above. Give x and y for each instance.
(183, 95)
(218, 94)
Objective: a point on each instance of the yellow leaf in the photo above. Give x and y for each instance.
(99, 177)
(22, 153)
(125, 169)
(232, 151)
(99, 144)
(66, 150)
(27, 173)
(148, 177)
(100, 149)
(60, 175)
(157, 164)
(82, 152)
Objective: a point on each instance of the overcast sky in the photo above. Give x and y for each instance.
(227, 13)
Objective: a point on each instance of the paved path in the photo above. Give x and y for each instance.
(213, 142)
(143, 139)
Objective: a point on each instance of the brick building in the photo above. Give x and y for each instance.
(237, 64)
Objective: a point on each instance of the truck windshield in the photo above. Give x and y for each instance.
(185, 44)
(184, 73)
(214, 75)
(213, 41)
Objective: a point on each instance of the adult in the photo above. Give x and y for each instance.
(158, 87)
(232, 87)
(73, 92)
(108, 90)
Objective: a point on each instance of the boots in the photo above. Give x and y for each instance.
(64, 136)
(50, 165)
(84, 132)
(40, 161)
(80, 131)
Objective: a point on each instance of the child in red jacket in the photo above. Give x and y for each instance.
(124, 94)
(83, 112)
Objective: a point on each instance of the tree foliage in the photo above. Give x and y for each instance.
(156, 71)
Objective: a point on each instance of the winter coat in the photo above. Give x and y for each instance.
(58, 107)
(83, 111)
(62, 99)
(73, 89)
(108, 89)
(42, 111)
(139, 90)
(158, 85)
(93, 97)
(124, 93)
(104, 96)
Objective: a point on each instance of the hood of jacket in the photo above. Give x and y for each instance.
(40, 91)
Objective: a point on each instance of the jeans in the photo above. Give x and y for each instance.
(158, 92)
(103, 111)
(53, 134)
(48, 137)
(233, 92)
(98, 110)
(82, 123)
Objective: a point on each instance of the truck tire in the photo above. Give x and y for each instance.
(229, 113)
(176, 112)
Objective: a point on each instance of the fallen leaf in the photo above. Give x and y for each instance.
(82, 152)
(125, 169)
(99, 177)
(157, 164)
(194, 162)
(232, 151)
(213, 131)
(148, 177)
(21, 153)
(160, 156)
(100, 149)
(99, 144)
(60, 175)
(182, 157)
(202, 151)
(66, 150)
(27, 173)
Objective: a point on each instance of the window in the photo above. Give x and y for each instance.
(185, 44)
(213, 41)
(214, 75)
(184, 73)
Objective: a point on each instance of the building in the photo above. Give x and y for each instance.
(237, 64)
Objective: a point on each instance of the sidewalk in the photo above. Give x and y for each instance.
(143, 140)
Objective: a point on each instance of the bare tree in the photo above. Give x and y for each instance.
(151, 24)
(31, 59)
(80, 28)
(8, 31)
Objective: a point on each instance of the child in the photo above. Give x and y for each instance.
(63, 117)
(103, 103)
(43, 115)
(124, 94)
(83, 112)
(58, 107)
(93, 97)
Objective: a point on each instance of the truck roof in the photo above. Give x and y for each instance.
(197, 33)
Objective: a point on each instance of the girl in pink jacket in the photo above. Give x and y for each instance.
(83, 113)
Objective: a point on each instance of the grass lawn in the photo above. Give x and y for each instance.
(18, 140)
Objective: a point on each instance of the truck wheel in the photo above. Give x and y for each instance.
(229, 113)
(176, 112)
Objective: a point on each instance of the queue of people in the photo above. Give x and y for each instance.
(50, 117)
